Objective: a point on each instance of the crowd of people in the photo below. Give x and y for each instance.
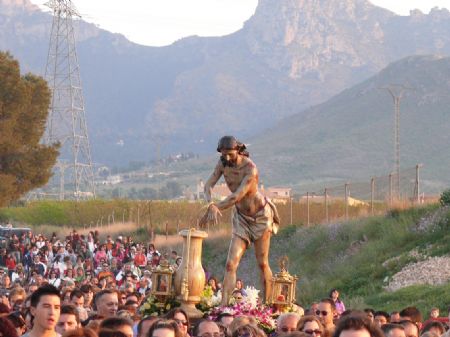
(84, 286)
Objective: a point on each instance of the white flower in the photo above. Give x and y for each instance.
(216, 299)
(252, 296)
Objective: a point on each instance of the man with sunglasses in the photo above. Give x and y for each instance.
(325, 312)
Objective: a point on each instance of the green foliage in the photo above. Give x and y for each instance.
(154, 214)
(355, 257)
(352, 259)
(445, 198)
(423, 296)
(24, 100)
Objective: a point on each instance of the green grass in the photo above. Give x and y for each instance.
(424, 297)
(350, 257)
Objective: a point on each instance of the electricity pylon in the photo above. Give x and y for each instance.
(396, 91)
(66, 121)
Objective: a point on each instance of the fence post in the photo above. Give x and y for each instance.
(307, 208)
(327, 219)
(291, 209)
(372, 194)
(167, 230)
(178, 226)
(346, 201)
(417, 185)
(390, 190)
(138, 214)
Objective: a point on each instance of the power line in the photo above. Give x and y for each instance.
(397, 91)
(66, 122)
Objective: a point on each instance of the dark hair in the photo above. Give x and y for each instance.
(76, 293)
(413, 313)
(171, 315)
(382, 313)
(4, 309)
(197, 326)
(115, 322)
(103, 292)
(434, 324)
(330, 302)
(165, 324)
(82, 332)
(386, 328)
(70, 309)
(16, 319)
(85, 288)
(332, 291)
(231, 143)
(367, 310)
(357, 321)
(46, 289)
(215, 282)
(110, 333)
(7, 328)
(145, 319)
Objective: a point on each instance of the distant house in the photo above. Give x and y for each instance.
(114, 179)
(277, 194)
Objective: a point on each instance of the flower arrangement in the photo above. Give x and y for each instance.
(249, 306)
(154, 306)
(208, 300)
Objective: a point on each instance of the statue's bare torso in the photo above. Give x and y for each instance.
(245, 174)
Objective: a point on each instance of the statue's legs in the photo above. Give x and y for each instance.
(262, 246)
(235, 252)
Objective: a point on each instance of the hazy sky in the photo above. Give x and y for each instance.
(161, 22)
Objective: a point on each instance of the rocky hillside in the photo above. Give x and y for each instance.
(291, 54)
(351, 136)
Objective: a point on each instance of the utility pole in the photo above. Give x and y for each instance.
(66, 121)
(396, 91)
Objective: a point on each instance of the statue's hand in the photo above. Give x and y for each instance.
(211, 215)
(204, 220)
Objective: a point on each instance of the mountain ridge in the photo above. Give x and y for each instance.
(290, 55)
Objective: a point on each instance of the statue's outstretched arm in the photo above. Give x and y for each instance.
(212, 180)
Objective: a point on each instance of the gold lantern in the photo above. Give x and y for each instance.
(162, 281)
(283, 286)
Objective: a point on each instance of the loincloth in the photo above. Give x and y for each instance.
(252, 228)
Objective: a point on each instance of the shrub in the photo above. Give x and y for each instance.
(445, 198)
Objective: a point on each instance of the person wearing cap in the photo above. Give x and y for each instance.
(254, 217)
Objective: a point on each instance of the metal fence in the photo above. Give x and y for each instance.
(354, 199)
